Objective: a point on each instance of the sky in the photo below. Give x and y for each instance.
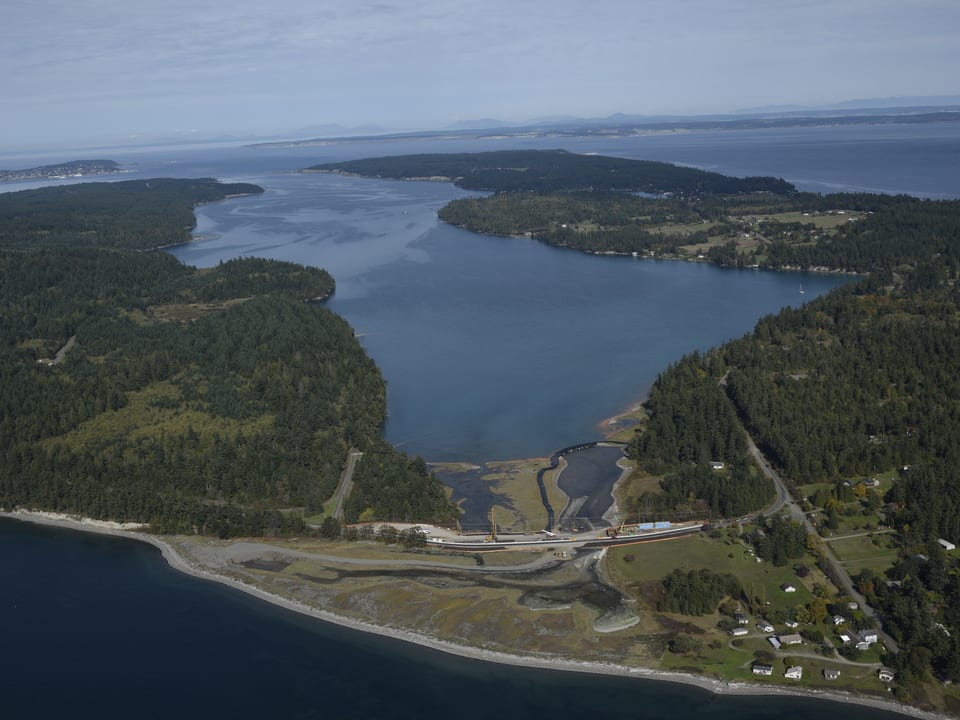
(74, 70)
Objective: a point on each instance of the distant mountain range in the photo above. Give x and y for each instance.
(891, 105)
(620, 125)
(903, 103)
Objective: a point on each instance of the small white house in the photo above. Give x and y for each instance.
(788, 588)
(886, 675)
(831, 674)
(716, 465)
(869, 636)
(839, 620)
(947, 545)
(791, 624)
(794, 672)
(762, 669)
(739, 631)
(793, 639)
(764, 626)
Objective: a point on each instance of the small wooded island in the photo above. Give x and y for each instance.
(227, 402)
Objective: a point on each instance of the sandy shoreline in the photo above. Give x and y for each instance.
(719, 687)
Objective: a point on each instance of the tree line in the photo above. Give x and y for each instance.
(218, 401)
(555, 171)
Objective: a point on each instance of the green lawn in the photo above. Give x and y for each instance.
(865, 547)
(653, 561)
(824, 221)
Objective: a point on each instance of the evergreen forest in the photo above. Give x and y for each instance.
(134, 388)
(856, 385)
(543, 171)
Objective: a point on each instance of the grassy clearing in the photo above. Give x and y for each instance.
(856, 522)
(637, 484)
(682, 229)
(742, 243)
(188, 312)
(857, 554)
(810, 489)
(823, 221)
(155, 411)
(652, 561)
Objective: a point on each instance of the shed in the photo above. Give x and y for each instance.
(947, 545)
(794, 672)
(831, 674)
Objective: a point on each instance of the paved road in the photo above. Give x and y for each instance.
(785, 501)
(345, 486)
(240, 552)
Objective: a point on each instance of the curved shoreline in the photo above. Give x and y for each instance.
(719, 687)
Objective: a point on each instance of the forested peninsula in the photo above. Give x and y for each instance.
(610, 205)
(134, 388)
(552, 171)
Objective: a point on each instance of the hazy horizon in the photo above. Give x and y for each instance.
(87, 70)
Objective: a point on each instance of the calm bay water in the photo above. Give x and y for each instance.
(492, 348)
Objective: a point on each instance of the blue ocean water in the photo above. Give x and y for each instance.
(101, 626)
(493, 348)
